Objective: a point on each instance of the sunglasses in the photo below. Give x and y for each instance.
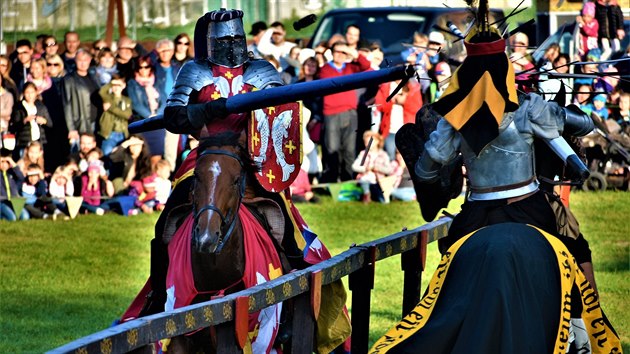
(145, 67)
(20, 53)
(52, 44)
(53, 64)
(184, 43)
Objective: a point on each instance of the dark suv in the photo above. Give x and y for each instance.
(393, 26)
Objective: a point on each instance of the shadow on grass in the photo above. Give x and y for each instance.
(65, 317)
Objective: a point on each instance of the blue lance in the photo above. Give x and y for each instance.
(290, 93)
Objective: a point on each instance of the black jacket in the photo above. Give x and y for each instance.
(23, 131)
(81, 101)
(610, 19)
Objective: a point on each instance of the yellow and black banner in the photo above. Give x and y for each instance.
(529, 297)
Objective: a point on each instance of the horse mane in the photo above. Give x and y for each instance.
(230, 139)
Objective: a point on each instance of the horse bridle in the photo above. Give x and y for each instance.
(224, 218)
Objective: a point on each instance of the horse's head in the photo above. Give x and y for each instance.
(219, 185)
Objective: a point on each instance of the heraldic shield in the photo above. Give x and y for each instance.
(275, 144)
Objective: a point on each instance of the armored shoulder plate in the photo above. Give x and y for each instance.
(260, 74)
(194, 75)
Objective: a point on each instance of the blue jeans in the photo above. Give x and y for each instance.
(110, 143)
(390, 146)
(6, 212)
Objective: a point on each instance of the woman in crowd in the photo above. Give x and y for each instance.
(28, 120)
(129, 161)
(372, 167)
(7, 82)
(183, 47)
(146, 102)
(57, 135)
(6, 107)
(51, 47)
(39, 76)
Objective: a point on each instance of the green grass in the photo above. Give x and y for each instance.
(64, 280)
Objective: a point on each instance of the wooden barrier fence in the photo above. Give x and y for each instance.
(229, 314)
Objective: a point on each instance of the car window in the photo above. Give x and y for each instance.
(387, 29)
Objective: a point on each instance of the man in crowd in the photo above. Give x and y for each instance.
(80, 98)
(258, 30)
(340, 113)
(71, 43)
(273, 42)
(166, 70)
(22, 65)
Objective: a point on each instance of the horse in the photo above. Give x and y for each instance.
(222, 179)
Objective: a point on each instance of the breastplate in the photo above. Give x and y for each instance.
(504, 168)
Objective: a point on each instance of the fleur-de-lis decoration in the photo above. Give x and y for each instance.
(190, 320)
(270, 297)
(388, 250)
(348, 266)
(132, 337)
(252, 303)
(207, 314)
(227, 311)
(303, 282)
(82, 350)
(403, 244)
(334, 272)
(414, 242)
(106, 346)
(362, 258)
(377, 254)
(171, 327)
(286, 289)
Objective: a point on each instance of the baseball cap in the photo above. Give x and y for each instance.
(601, 97)
(436, 37)
(258, 27)
(442, 68)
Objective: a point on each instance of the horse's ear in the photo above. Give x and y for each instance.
(242, 140)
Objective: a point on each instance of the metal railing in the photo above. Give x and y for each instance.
(229, 314)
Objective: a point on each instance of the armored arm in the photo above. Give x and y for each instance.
(182, 116)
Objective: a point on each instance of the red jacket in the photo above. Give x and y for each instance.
(411, 106)
(343, 101)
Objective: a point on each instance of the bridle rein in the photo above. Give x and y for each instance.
(230, 217)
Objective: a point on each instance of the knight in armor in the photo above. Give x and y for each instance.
(482, 122)
(222, 68)
(504, 278)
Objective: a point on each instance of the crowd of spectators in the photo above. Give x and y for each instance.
(64, 115)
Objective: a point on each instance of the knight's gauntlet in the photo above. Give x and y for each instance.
(426, 169)
(200, 114)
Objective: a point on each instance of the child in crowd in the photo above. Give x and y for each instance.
(28, 120)
(61, 186)
(10, 179)
(440, 82)
(38, 204)
(34, 154)
(599, 106)
(622, 114)
(162, 183)
(94, 187)
(106, 67)
(116, 113)
(403, 187)
(376, 165)
(588, 29)
(145, 193)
